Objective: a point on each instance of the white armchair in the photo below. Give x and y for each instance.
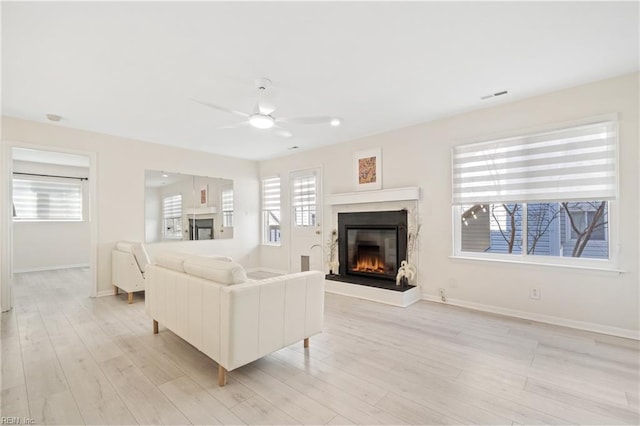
(128, 264)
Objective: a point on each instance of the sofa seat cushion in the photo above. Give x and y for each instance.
(214, 269)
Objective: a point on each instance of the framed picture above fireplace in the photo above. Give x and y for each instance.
(367, 169)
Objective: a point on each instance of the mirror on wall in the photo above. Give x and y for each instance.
(180, 207)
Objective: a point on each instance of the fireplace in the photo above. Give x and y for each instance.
(371, 246)
(201, 229)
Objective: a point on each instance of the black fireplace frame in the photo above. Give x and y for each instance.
(196, 224)
(394, 220)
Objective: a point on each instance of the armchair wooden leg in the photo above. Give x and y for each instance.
(155, 327)
(222, 376)
(115, 290)
(130, 297)
(306, 342)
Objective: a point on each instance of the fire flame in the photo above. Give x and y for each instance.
(369, 263)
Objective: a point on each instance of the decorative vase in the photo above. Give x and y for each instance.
(404, 281)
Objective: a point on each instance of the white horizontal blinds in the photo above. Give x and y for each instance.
(47, 199)
(172, 207)
(227, 207)
(227, 200)
(576, 163)
(304, 199)
(271, 194)
(271, 210)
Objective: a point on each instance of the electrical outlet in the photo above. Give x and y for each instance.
(443, 296)
(534, 293)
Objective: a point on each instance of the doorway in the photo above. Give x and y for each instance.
(51, 218)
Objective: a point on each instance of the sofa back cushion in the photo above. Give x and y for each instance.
(172, 260)
(215, 269)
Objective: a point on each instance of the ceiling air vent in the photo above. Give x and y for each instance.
(493, 95)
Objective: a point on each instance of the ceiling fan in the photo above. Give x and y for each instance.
(262, 115)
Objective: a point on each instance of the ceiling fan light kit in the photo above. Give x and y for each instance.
(261, 121)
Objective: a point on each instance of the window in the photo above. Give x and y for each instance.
(271, 210)
(172, 217)
(227, 207)
(47, 199)
(541, 195)
(304, 199)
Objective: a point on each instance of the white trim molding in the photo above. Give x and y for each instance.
(547, 319)
(374, 294)
(381, 196)
(53, 268)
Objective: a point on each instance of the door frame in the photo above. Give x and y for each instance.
(6, 217)
(319, 208)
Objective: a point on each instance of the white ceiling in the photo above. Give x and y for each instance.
(130, 69)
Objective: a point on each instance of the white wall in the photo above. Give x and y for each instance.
(51, 245)
(120, 181)
(420, 156)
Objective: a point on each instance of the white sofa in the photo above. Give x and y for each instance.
(211, 304)
(128, 263)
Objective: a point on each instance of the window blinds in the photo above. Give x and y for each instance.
(271, 194)
(36, 199)
(227, 200)
(172, 207)
(577, 163)
(304, 199)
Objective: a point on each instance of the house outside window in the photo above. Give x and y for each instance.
(47, 199)
(537, 197)
(172, 217)
(227, 207)
(271, 211)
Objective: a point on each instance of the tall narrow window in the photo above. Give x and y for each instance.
(271, 210)
(227, 207)
(544, 194)
(47, 199)
(304, 199)
(172, 217)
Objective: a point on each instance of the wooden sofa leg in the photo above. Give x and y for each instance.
(115, 290)
(130, 297)
(306, 342)
(155, 327)
(222, 376)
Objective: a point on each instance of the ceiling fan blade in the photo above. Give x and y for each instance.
(283, 133)
(219, 108)
(235, 126)
(310, 120)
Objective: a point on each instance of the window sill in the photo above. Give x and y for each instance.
(271, 244)
(546, 264)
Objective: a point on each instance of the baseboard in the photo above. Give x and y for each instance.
(104, 293)
(51, 268)
(548, 319)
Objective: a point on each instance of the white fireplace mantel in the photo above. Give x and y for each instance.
(381, 196)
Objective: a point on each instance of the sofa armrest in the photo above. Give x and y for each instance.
(260, 317)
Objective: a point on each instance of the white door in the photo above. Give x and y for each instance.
(306, 220)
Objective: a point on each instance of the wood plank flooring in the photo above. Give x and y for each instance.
(69, 359)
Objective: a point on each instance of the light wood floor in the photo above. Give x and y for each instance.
(68, 359)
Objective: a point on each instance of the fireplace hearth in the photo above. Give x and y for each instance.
(371, 246)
